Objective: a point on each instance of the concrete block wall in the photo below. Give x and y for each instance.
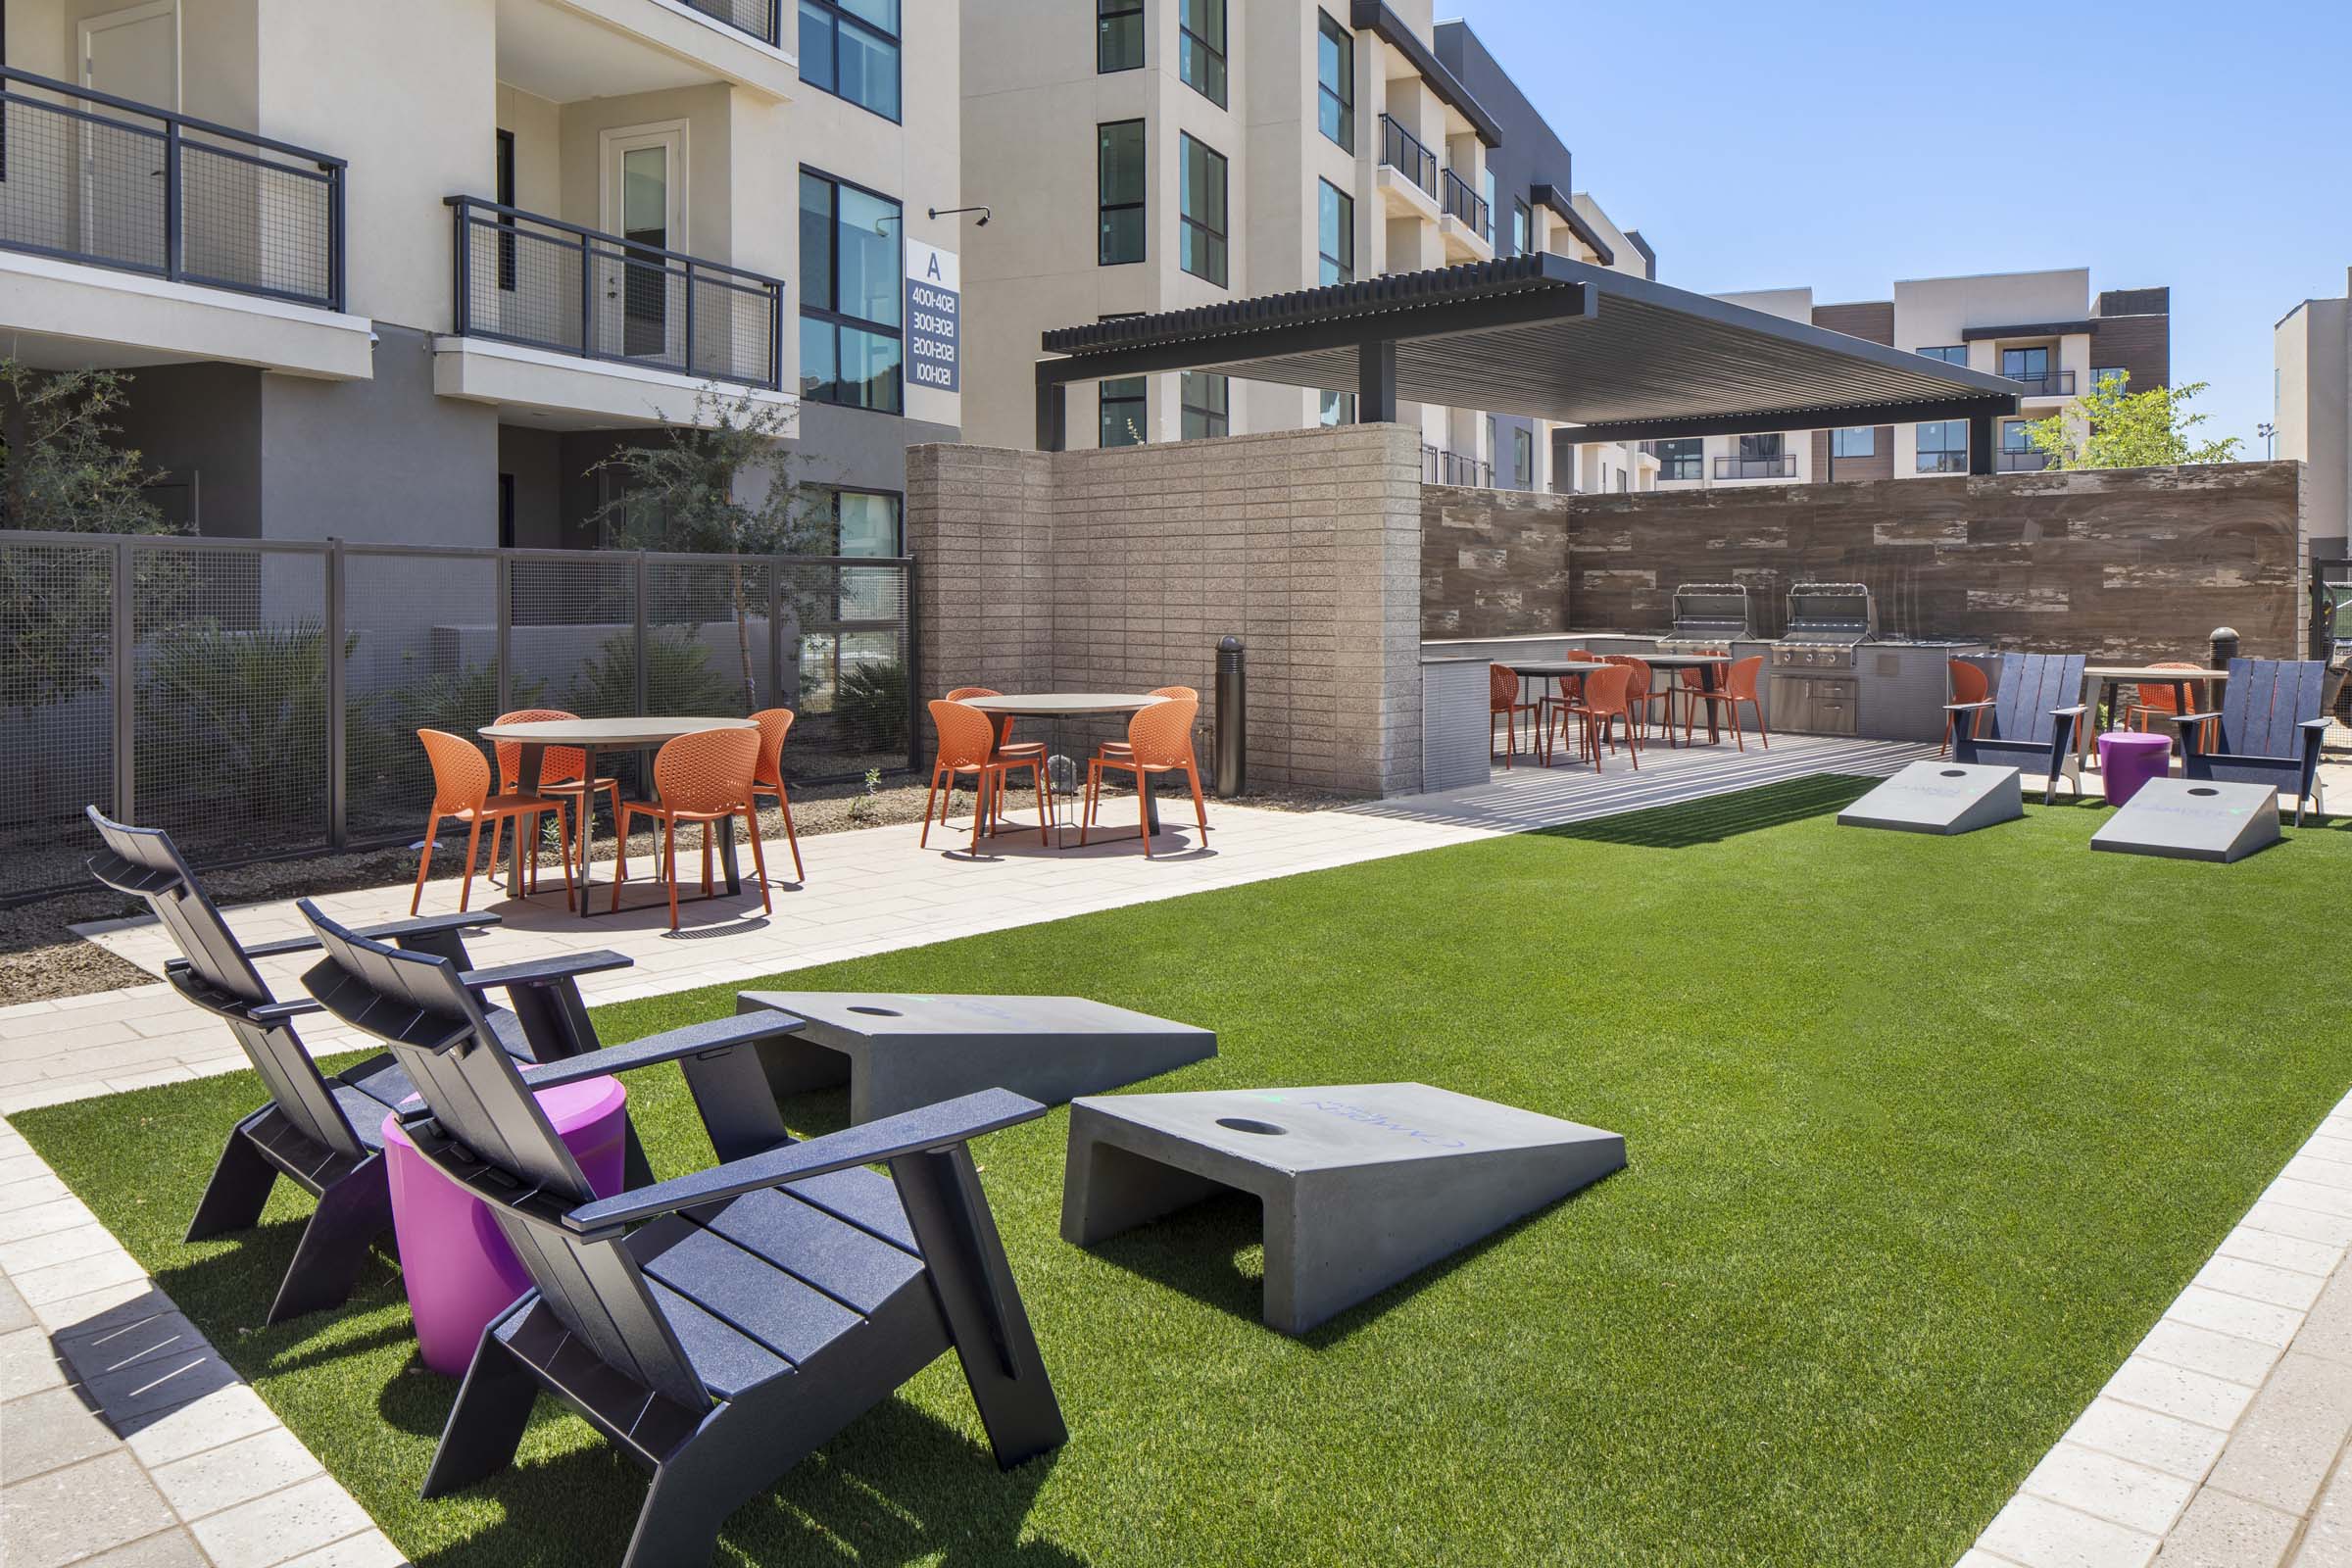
(1119, 570)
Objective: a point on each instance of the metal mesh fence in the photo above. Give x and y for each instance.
(759, 18)
(263, 700)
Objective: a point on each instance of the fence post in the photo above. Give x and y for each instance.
(175, 246)
(124, 635)
(688, 271)
(588, 300)
(338, 731)
(645, 674)
(505, 632)
(775, 629)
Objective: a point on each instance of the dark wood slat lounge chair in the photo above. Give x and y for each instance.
(2028, 722)
(717, 1327)
(2272, 723)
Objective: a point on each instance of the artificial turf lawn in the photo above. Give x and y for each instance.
(1924, 1133)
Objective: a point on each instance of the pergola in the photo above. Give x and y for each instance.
(1546, 338)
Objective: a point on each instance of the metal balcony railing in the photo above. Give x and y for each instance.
(1468, 205)
(526, 279)
(1441, 466)
(2008, 460)
(1681, 468)
(763, 20)
(88, 177)
(1783, 466)
(1401, 149)
(2056, 384)
(1942, 462)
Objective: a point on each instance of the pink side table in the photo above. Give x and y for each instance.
(2126, 761)
(459, 1270)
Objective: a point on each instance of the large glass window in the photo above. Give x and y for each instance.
(1119, 191)
(2025, 365)
(852, 279)
(1334, 408)
(1943, 447)
(1335, 80)
(1683, 459)
(1523, 457)
(1335, 230)
(2105, 373)
(1755, 447)
(1860, 442)
(866, 523)
(1124, 413)
(1949, 354)
(2014, 437)
(1523, 228)
(1201, 47)
(1200, 204)
(1205, 406)
(1118, 35)
(849, 48)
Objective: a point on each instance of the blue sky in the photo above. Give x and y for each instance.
(1845, 145)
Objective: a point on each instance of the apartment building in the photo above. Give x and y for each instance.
(2043, 329)
(2311, 369)
(1142, 155)
(406, 272)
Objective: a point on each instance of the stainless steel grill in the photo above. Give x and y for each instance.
(1816, 688)
(1708, 617)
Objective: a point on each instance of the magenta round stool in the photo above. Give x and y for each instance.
(2128, 760)
(457, 1267)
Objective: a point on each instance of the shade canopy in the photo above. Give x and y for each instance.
(1544, 337)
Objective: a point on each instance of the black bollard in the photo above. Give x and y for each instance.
(1233, 710)
(2224, 645)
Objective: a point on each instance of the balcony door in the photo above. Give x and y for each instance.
(132, 54)
(644, 307)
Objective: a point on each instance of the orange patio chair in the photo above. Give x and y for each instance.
(2154, 702)
(704, 777)
(1607, 699)
(562, 775)
(462, 790)
(968, 745)
(1121, 751)
(768, 779)
(1970, 684)
(1159, 740)
(1740, 686)
(1006, 747)
(1570, 690)
(1689, 685)
(1639, 696)
(1503, 702)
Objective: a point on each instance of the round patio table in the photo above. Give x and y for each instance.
(1068, 705)
(642, 733)
(2128, 760)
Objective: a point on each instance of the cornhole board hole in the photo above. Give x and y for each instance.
(1940, 797)
(1364, 1184)
(2193, 819)
(900, 1051)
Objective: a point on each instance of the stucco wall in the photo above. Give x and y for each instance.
(2119, 565)
(1118, 571)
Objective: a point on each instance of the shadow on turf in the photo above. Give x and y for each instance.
(1718, 817)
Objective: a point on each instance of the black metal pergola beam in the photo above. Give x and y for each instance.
(1834, 417)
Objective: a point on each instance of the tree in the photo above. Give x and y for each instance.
(687, 493)
(60, 470)
(2115, 428)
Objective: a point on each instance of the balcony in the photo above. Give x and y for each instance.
(653, 322)
(1407, 175)
(137, 226)
(1940, 463)
(1466, 225)
(1441, 466)
(2010, 461)
(564, 50)
(2054, 384)
(1783, 466)
(763, 20)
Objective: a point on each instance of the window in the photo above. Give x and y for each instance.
(1761, 446)
(1686, 459)
(1523, 457)
(1201, 47)
(1336, 408)
(1950, 353)
(1944, 448)
(1523, 228)
(1200, 202)
(1125, 415)
(1335, 233)
(2025, 364)
(1335, 81)
(2014, 437)
(506, 198)
(1118, 35)
(2111, 372)
(1623, 484)
(852, 279)
(1119, 191)
(1204, 408)
(1859, 442)
(849, 48)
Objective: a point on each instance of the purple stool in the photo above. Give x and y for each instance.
(2128, 760)
(457, 1267)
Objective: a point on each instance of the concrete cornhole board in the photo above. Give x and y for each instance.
(902, 1051)
(1939, 797)
(2193, 819)
(1364, 1184)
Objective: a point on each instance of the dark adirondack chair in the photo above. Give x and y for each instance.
(322, 1134)
(717, 1327)
(2030, 722)
(2272, 722)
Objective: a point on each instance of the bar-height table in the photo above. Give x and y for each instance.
(2099, 680)
(642, 734)
(1069, 704)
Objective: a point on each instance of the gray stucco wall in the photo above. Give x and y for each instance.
(200, 425)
